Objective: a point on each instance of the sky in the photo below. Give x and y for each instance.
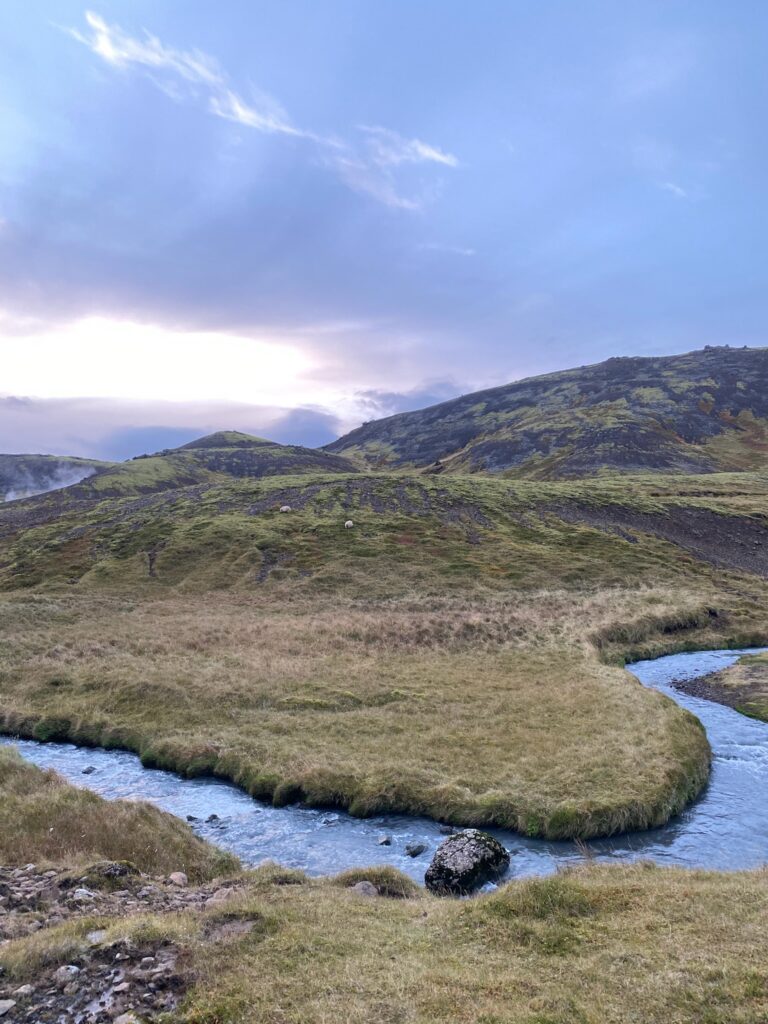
(288, 217)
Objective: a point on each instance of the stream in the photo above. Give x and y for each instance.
(726, 828)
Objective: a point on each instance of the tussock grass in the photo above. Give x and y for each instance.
(388, 880)
(627, 945)
(42, 818)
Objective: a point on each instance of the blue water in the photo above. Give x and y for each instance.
(727, 828)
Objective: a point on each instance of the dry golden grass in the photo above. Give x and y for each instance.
(476, 711)
(42, 818)
(598, 945)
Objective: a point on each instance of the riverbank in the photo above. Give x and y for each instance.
(743, 686)
(477, 712)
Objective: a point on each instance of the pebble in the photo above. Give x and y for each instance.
(385, 840)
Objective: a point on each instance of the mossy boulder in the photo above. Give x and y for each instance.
(464, 862)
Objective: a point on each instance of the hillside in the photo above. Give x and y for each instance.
(22, 476)
(703, 412)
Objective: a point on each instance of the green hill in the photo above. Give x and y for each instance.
(703, 412)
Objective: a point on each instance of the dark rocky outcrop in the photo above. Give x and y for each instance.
(464, 862)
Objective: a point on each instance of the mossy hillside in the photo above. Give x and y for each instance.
(700, 412)
(686, 945)
(428, 533)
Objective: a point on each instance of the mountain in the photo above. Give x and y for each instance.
(212, 459)
(22, 476)
(701, 412)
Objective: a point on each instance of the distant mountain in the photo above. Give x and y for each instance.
(212, 459)
(22, 476)
(696, 413)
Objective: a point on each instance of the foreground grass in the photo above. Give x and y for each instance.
(597, 945)
(42, 818)
(496, 713)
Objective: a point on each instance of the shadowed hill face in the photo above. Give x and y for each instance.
(22, 476)
(696, 413)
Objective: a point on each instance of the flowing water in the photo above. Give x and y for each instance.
(727, 828)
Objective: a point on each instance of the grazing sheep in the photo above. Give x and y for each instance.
(285, 508)
(348, 525)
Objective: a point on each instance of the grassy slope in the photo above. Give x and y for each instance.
(42, 818)
(444, 656)
(698, 412)
(625, 945)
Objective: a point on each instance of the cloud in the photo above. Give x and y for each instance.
(365, 165)
(388, 149)
(378, 403)
(676, 190)
(453, 250)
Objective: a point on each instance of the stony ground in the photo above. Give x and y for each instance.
(114, 979)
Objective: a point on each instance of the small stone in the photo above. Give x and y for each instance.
(6, 1005)
(212, 817)
(178, 878)
(191, 817)
(147, 961)
(23, 991)
(446, 830)
(64, 975)
(83, 894)
(89, 770)
(94, 938)
(415, 849)
(385, 840)
(126, 1018)
(365, 888)
(122, 987)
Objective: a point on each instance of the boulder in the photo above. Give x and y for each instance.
(6, 1005)
(465, 861)
(178, 878)
(415, 849)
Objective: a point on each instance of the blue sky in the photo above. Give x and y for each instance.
(290, 216)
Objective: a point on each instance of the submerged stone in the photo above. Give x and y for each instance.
(465, 861)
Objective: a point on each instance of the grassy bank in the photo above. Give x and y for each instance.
(43, 819)
(743, 686)
(496, 713)
(625, 945)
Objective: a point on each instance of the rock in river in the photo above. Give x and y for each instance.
(465, 861)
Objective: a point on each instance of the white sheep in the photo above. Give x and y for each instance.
(348, 525)
(285, 508)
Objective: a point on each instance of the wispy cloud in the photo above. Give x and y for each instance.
(676, 190)
(453, 250)
(366, 166)
(389, 149)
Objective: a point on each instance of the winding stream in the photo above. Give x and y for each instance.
(727, 828)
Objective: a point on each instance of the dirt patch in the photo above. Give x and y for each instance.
(728, 542)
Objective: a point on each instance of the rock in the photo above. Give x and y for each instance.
(178, 878)
(211, 818)
(126, 1018)
(83, 894)
(446, 830)
(24, 991)
(349, 524)
(89, 770)
(285, 508)
(191, 817)
(6, 1005)
(64, 975)
(385, 840)
(415, 849)
(464, 861)
(365, 889)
